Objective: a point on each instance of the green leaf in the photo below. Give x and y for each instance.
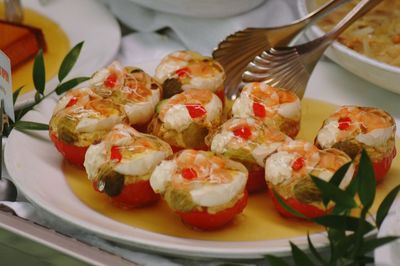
(314, 250)
(385, 206)
(334, 193)
(276, 261)
(39, 74)
(346, 223)
(352, 187)
(342, 246)
(63, 87)
(16, 94)
(28, 125)
(69, 61)
(340, 174)
(287, 207)
(366, 181)
(371, 244)
(300, 258)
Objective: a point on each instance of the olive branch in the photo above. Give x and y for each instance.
(39, 81)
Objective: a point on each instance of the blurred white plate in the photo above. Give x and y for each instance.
(374, 71)
(202, 9)
(81, 20)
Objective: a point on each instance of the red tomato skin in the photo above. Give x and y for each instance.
(381, 168)
(205, 221)
(256, 181)
(135, 195)
(73, 154)
(221, 95)
(307, 210)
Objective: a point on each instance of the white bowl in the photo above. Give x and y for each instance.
(374, 71)
(201, 8)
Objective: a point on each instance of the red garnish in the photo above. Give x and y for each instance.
(344, 123)
(298, 164)
(115, 153)
(196, 110)
(111, 80)
(243, 131)
(259, 109)
(189, 173)
(72, 102)
(183, 72)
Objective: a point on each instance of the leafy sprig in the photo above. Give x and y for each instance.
(39, 81)
(346, 232)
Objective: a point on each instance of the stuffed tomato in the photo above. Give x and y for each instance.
(275, 107)
(121, 165)
(205, 190)
(249, 141)
(185, 119)
(183, 70)
(287, 172)
(82, 118)
(353, 128)
(132, 88)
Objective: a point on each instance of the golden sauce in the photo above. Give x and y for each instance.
(259, 221)
(57, 43)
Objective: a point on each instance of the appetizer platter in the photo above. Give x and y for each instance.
(58, 34)
(164, 165)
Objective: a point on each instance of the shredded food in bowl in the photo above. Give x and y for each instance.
(376, 35)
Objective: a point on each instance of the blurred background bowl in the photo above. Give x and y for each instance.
(379, 73)
(201, 8)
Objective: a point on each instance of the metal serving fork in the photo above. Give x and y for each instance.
(291, 67)
(237, 50)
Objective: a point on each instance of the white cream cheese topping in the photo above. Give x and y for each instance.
(376, 137)
(278, 167)
(290, 110)
(218, 194)
(87, 124)
(140, 164)
(141, 112)
(262, 151)
(162, 175)
(210, 82)
(214, 109)
(220, 141)
(177, 117)
(166, 69)
(327, 135)
(95, 156)
(242, 107)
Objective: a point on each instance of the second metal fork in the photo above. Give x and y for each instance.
(290, 67)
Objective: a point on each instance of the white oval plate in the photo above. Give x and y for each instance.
(35, 168)
(374, 71)
(81, 20)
